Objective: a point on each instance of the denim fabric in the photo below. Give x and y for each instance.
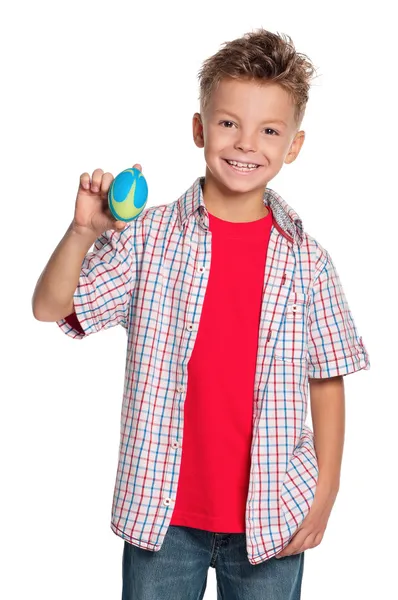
(178, 571)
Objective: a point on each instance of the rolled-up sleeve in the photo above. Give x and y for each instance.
(107, 277)
(334, 345)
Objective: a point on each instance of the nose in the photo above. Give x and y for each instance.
(245, 143)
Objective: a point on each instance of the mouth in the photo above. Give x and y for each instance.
(241, 167)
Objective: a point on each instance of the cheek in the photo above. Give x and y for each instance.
(213, 145)
(217, 138)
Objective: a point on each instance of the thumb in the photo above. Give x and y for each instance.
(120, 225)
(137, 166)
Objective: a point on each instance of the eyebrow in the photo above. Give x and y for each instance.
(227, 112)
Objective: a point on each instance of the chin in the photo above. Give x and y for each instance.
(238, 183)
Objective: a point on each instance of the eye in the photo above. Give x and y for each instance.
(221, 122)
(232, 123)
(269, 129)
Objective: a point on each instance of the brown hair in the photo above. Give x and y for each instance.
(261, 56)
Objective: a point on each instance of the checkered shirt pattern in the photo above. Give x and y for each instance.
(151, 278)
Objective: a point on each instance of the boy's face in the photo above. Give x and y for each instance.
(241, 124)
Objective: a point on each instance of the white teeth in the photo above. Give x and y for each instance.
(242, 165)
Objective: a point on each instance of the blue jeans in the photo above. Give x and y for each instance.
(178, 571)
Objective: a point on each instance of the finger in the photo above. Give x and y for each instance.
(299, 544)
(137, 166)
(309, 542)
(295, 543)
(318, 539)
(120, 225)
(288, 551)
(106, 181)
(285, 552)
(96, 180)
(85, 181)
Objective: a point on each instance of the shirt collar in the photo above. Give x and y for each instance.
(284, 216)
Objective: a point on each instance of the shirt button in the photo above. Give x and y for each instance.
(175, 444)
(201, 269)
(294, 307)
(190, 327)
(167, 501)
(180, 389)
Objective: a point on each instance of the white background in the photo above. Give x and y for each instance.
(100, 84)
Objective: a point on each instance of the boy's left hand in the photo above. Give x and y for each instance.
(312, 529)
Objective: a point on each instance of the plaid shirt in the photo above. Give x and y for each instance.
(151, 278)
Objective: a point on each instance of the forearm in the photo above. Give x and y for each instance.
(53, 296)
(328, 418)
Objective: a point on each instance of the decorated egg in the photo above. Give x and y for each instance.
(127, 195)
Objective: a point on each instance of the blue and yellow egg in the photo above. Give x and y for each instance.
(127, 195)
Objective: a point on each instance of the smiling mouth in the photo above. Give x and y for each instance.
(239, 167)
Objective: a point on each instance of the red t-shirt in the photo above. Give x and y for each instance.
(218, 409)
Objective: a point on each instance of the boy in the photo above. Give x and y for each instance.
(232, 311)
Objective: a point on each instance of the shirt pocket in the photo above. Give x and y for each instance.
(292, 343)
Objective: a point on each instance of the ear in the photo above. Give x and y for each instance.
(197, 130)
(295, 147)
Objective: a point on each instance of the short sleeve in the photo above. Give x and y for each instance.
(334, 346)
(107, 277)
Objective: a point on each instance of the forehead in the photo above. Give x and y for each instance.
(249, 97)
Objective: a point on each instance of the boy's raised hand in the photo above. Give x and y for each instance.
(92, 215)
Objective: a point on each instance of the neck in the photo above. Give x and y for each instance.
(233, 206)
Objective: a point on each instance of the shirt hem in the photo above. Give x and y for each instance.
(134, 541)
(345, 365)
(188, 520)
(86, 323)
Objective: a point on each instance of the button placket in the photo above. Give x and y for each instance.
(293, 309)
